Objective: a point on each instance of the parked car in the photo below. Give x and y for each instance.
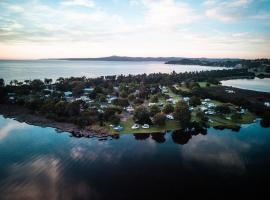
(135, 126)
(118, 128)
(146, 126)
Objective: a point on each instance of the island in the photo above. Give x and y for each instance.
(158, 102)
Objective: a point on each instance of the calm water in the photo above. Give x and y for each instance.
(22, 70)
(262, 85)
(39, 163)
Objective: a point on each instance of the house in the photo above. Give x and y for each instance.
(170, 117)
(267, 104)
(211, 105)
(242, 111)
(130, 109)
(11, 97)
(164, 89)
(116, 89)
(68, 94)
(186, 99)
(88, 90)
(203, 108)
(103, 106)
(171, 100)
(210, 112)
(230, 91)
(48, 91)
(111, 98)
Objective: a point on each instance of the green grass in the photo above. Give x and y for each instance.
(170, 125)
(248, 118)
(203, 84)
(174, 96)
(220, 120)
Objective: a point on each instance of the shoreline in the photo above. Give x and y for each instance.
(24, 115)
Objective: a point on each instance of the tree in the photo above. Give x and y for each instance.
(2, 82)
(47, 81)
(154, 109)
(154, 99)
(168, 108)
(77, 88)
(73, 109)
(60, 108)
(36, 85)
(138, 101)
(110, 111)
(131, 97)
(202, 118)
(102, 98)
(160, 119)
(141, 115)
(121, 102)
(223, 109)
(195, 101)
(182, 113)
(123, 94)
(114, 119)
(236, 117)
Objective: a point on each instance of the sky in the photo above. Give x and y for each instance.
(33, 29)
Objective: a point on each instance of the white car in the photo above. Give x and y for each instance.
(170, 117)
(146, 126)
(135, 126)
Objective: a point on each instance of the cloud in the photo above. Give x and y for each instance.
(10, 126)
(145, 28)
(216, 151)
(167, 13)
(85, 3)
(28, 179)
(228, 11)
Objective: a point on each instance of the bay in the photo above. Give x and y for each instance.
(40, 163)
(40, 69)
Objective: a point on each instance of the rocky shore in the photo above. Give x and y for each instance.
(22, 114)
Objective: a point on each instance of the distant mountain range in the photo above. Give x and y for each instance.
(162, 59)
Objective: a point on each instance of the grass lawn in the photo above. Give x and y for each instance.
(204, 83)
(218, 120)
(174, 96)
(170, 125)
(248, 118)
(183, 88)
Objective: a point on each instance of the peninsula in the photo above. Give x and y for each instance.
(111, 105)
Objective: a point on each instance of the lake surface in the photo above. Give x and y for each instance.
(262, 85)
(39, 163)
(40, 69)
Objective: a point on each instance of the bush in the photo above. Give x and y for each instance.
(236, 117)
(168, 108)
(195, 101)
(154, 110)
(182, 113)
(114, 119)
(154, 99)
(223, 109)
(141, 115)
(160, 119)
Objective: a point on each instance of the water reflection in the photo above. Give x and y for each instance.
(9, 126)
(38, 163)
(158, 137)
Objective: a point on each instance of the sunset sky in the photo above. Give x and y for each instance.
(92, 28)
